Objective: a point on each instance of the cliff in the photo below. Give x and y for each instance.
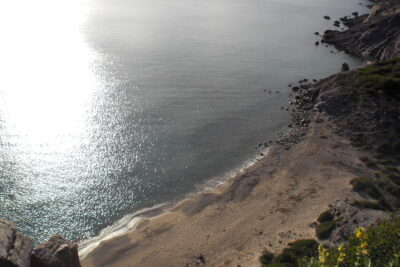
(375, 36)
(16, 250)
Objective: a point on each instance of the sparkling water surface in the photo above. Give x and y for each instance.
(111, 106)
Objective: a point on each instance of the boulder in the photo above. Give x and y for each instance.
(336, 23)
(15, 248)
(345, 67)
(348, 218)
(56, 252)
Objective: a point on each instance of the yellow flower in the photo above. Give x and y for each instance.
(342, 257)
(341, 248)
(360, 233)
(364, 245)
(323, 255)
(364, 252)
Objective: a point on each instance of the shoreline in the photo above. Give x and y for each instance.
(340, 157)
(147, 243)
(204, 224)
(129, 222)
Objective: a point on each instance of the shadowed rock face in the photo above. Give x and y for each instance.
(15, 248)
(375, 37)
(56, 252)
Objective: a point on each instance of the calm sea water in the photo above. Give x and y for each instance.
(111, 106)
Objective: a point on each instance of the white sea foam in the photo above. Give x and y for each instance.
(129, 222)
(126, 224)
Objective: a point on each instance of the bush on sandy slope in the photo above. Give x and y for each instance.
(325, 217)
(375, 246)
(383, 76)
(324, 230)
(290, 255)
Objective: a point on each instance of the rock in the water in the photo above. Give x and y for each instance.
(327, 17)
(336, 23)
(317, 43)
(15, 248)
(56, 252)
(295, 88)
(345, 67)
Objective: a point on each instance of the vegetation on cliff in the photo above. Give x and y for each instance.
(383, 76)
(375, 246)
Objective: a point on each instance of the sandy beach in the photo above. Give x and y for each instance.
(277, 200)
(271, 204)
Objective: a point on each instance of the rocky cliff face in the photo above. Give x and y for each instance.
(375, 36)
(16, 250)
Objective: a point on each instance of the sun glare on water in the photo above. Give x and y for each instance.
(47, 80)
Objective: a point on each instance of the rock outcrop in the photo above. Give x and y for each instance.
(375, 36)
(16, 250)
(348, 218)
(56, 252)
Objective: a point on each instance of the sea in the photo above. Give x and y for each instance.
(112, 107)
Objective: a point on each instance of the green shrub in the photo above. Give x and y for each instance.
(325, 216)
(385, 205)
(370, 163)
(394, 177)
(384, 241)
(375, 246)
(384, 150)
(393, 190)
(296, 250)
(357, 141)
(391, 169)
(362, 204)
(325, 229)
(383, 76)
(366, 185)
(266, 257)
(280, 264)
(386, 162)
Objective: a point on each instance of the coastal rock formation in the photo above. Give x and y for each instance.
(349, 218)
(56, 252)
(375, 36)
(15, 248)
